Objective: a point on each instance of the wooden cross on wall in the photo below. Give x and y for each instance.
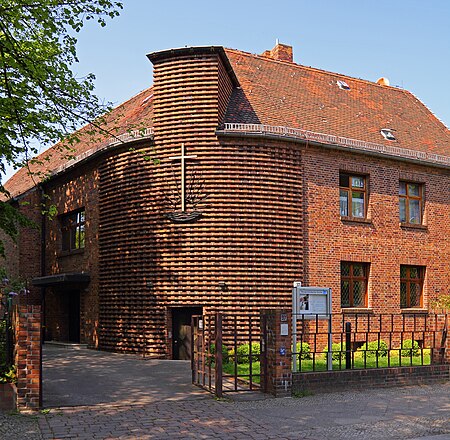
(182, 159)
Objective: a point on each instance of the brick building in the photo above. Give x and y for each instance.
(291, 173)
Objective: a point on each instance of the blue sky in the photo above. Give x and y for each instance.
(407, 41)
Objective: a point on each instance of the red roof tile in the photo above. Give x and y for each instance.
(283, 93)
(287, 94)
(133, 114)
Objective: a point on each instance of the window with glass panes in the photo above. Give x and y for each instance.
(352, 195)
(410, 195)
(411, 286)
(73, 230)
(354, 277)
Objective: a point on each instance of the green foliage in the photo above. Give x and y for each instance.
(7, 374)
(42, 100)
(243, 353)
(304, 350)
(337, 351)
(374, 349)
(212, 352)
(410, 348)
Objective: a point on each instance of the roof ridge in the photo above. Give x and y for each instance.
(90, 123)
(425, 106)
(315, 69)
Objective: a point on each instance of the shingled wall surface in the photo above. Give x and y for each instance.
(250, 235)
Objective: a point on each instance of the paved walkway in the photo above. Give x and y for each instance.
(125, 397)
(88, 377)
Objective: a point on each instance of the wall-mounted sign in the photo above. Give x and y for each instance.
(311, 301)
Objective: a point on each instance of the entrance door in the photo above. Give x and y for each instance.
(73, 309)
(181, 331)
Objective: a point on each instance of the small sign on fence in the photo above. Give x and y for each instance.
(311, 301)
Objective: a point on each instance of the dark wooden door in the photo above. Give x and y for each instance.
(73, 304)
(181, 331)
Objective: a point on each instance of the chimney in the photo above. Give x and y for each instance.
(383, 81)
(281, 52)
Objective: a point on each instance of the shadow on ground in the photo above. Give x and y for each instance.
(88, 377)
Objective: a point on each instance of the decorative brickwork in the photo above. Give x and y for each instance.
(271, 213)
(241, 240)
(28, 356)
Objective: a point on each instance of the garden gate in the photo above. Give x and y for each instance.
(226, 353)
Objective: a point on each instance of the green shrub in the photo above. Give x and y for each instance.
(8, 374)
(303, 351)
(374, 348)
(410, 348)
(243, 353)
(212, 351)
(337, 351)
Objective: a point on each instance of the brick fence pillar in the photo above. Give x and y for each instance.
(277, 354)
(27, 328)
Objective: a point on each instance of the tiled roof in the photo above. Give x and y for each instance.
(133, 114)
(282, 93)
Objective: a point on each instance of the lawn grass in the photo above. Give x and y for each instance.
(320, 364)
(360, 361)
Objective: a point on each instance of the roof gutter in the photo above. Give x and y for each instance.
(111, 144)
(333, 142)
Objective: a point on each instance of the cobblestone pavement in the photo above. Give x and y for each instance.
(395, 413)
(161, 404)
(404, 413)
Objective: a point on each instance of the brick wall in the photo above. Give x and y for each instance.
(276, 370)
(329, 381)
(249, 237)
(28, 356)
(381, 241)
(76, 189)
(23, 257)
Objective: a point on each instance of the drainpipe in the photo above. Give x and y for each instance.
(43, 271)
(43, 233)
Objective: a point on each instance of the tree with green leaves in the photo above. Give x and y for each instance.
(41, 99)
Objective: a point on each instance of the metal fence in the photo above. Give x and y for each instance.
(226, 351)
(366, 340)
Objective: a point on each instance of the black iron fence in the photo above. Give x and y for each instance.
(367, 340)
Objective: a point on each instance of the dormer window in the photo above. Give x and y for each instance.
(388, 134)
(343, 85)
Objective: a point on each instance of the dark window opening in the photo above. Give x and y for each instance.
(73, 230)
(354, 278)
(411, 286)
